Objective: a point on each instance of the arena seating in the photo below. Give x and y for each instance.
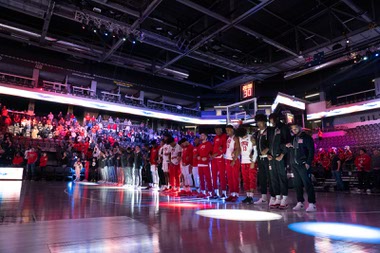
(362, 136)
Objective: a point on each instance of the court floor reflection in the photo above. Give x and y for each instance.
(69, 217)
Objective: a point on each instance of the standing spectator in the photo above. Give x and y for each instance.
(31, 157)
(336, 169)
(138, 162)
(78, 167)
(17, 160)
(64, 160)
(130, 159)
(363, 164)
(43, 163)
(93, 170)
(146, 165)
(376, 169)
(4, 113)
(50, 116)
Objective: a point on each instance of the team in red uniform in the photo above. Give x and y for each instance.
(218, 166)
(232, 163)
(186, 161)
(204, 152)
(153, 163)
(194, 164)
(174, 165)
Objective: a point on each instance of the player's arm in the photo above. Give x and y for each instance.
(237, 149)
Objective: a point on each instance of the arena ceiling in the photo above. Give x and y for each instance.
(204, 45)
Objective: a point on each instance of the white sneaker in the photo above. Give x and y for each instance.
(271, 201)
(284, 204)
(298, 207)
(261, 201)
(368, 191)
(311, 208)
(275, 204)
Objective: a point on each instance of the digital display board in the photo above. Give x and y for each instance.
(9, 173)
(247, 91)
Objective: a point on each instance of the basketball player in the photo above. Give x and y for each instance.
(263, 163)
(166, 150)
(218, 164)
(187, 158)
(153, 163)
(248, 163)
(174, 165)
(232, 164)
(195, 164)
(278, 138)
(204, 152)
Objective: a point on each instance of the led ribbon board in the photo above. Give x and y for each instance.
(344, 110)
(9, 173)
(102, 105)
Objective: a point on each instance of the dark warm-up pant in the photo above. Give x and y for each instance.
(278, 177)
(263, 164)
(161, 174)
(363, 178)
(302, 180)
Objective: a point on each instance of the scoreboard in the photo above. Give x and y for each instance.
(247, 90)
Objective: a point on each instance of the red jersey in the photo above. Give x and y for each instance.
(187, 155)
(204, 152)
(17, 160)
(32, 157)
(347, 155)
(220, 142)
(363, 162)
(43, 161)
(154, 155)
(195, 157)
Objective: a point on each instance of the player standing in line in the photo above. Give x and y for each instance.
(174, 165)
(194, 164)
(204, 152)
(166, 150)
(218, 166)
(187, 158)
(278, 138)
(248, 162)
(232, 164)
(263, 163)
(153, 163)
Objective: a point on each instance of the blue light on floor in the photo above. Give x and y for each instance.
(338, 231)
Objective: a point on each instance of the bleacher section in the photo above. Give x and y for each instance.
(362, 136)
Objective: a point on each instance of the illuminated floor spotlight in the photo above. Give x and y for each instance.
(239, 215)
(184, 205)
(338, 231)
(86, 183)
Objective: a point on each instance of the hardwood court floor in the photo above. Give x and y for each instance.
(67, 217)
